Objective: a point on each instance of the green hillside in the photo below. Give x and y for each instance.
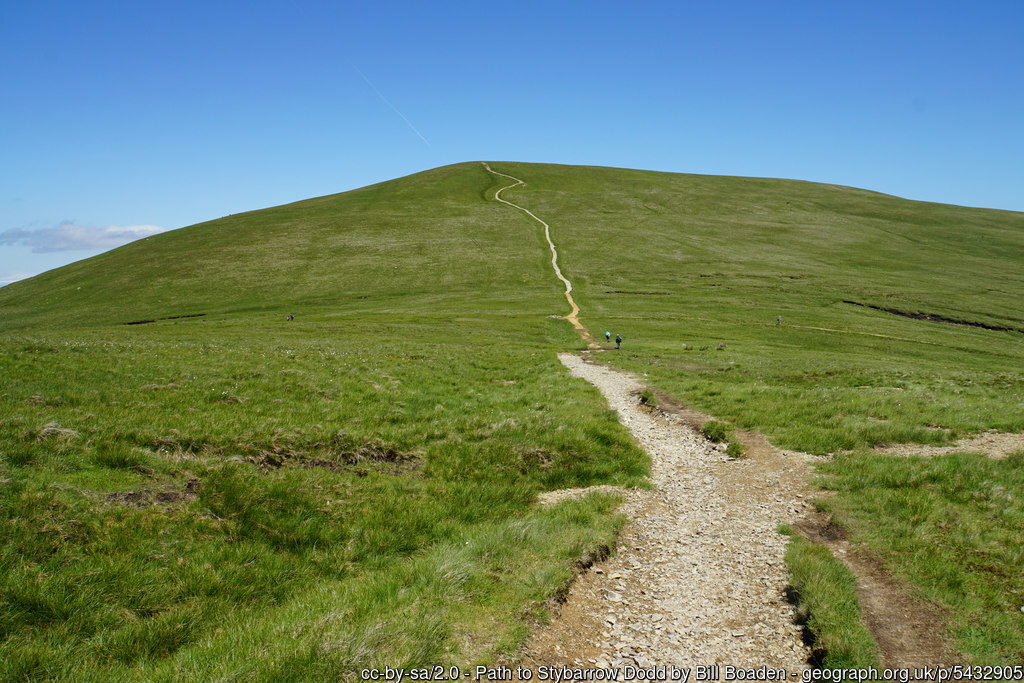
(215, 491)
(434, 240)
(427, 243)
(674, 260)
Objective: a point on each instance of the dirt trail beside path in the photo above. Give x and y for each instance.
(907, 629)
(573, 316)
(992, 443)
(699, 577)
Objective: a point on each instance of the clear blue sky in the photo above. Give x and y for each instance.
(115, 115)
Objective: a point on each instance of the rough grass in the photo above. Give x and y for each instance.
(248, 496)
(826, 599)
(238, 495)
(202, 497)
(716, 431)
(952, 525)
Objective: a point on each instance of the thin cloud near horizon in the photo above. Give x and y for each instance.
(7, 278)
(69, 236)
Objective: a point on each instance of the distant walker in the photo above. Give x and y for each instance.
(618, 341)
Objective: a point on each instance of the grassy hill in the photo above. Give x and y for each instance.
(216, 491)
(674, 260)
(427, 243)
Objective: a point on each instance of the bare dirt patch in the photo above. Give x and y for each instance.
(555, 497)
(991, 443)
(146, 321)
(147, 497)
(908, 629)
(623, 291)
(341, 452)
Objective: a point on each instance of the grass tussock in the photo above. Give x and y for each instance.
(716, 432)
(721, 432)
(826, 598)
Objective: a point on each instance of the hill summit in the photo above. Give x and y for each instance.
(436, 241)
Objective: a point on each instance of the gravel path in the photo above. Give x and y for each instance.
(699, 575)
(574, 311)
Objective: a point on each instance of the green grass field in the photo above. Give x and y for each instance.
(232, 494)
(235, 499)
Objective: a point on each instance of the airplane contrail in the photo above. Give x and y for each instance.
(393, 107)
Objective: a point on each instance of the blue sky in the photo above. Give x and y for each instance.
(119, 119)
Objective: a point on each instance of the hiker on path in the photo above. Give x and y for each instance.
(618, 340)
(607, 335)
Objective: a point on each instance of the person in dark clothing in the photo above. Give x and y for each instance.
(618, 340)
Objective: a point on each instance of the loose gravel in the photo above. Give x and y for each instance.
(699, 576)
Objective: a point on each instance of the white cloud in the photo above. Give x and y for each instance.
(71, 237)
(7, 277)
